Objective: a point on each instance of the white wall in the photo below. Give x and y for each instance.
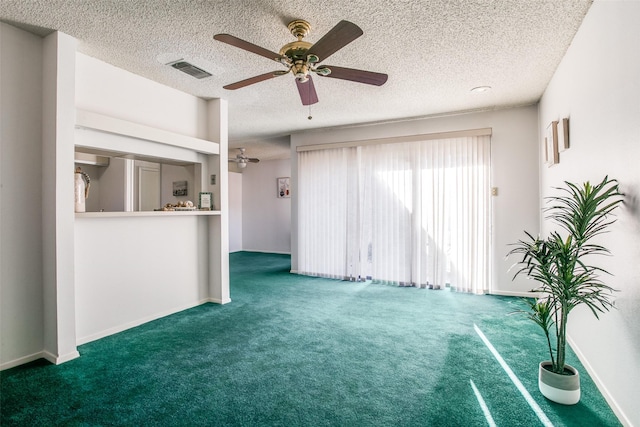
(597, 85)
(133, 269)
(105, 89)
(514, 170)
(235, 212)
(21, 308)
(128, 274)
(266, 219)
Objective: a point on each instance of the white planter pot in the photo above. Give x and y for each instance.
(564, 389)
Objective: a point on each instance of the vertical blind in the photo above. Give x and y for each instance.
(413, 214)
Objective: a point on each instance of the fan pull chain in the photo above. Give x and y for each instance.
(309, 93)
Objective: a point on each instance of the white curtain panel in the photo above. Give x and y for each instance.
(413, 214)
(323, 211)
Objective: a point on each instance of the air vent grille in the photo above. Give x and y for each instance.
(190, 69)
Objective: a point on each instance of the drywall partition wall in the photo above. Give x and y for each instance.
(161, 269)
(21, 319)
(163, 263)
(266, 219)
(514, 171)
(218, 130)
(58, 121)
(235, 212)
(597, 87)
(132, 267)
(114, 92)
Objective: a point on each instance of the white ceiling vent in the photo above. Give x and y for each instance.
(190, 69)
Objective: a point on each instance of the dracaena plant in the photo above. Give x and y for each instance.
(559, 263)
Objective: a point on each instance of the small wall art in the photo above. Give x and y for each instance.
(551, 144)
(180, 188)
(563, 134)
(283, 189)
(205, 201)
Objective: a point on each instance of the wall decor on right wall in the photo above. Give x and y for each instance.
(283, 187)
(551, 144)
(563, 134)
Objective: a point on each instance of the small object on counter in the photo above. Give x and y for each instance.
(179, 206)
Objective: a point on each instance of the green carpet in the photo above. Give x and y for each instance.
(298, 351)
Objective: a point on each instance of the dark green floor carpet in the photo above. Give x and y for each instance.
(291, 350)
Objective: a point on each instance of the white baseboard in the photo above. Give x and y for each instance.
(265, 252)
(102, 334)
(219, 301)
(57, 360)
(622, 417)
(21, 360)
(514, 294)
(137, 322)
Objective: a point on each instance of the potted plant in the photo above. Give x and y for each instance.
(560, 265)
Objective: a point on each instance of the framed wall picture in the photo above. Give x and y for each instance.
(551, 144)
(283, 190)
(205, 201)
(563, 134)
(180, 188)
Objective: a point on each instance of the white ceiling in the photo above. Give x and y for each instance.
(434, 51)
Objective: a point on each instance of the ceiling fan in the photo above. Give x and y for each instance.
(301, 58)
(241, 159)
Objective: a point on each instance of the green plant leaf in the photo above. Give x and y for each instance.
(559, 263)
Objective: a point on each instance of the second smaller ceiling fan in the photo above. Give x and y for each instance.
(242, 160)
(302, 58)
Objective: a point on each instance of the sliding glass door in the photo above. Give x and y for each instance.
(413, 214)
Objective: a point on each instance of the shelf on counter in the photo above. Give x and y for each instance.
(144, 214)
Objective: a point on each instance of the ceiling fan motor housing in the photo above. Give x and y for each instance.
(297, 51)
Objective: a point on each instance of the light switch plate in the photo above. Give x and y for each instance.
(213, 180)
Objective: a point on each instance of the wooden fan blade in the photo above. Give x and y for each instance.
(338, 37)
(252, 80)
(251, 160)
(242, 44)
(360, 76)
(307, 92)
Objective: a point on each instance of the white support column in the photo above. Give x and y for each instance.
(217, 115)
(58, 121)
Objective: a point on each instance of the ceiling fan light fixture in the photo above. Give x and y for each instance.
(481, 89)
(323, 71)
(242, 165)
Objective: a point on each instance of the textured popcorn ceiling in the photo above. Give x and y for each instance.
(434, 52)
